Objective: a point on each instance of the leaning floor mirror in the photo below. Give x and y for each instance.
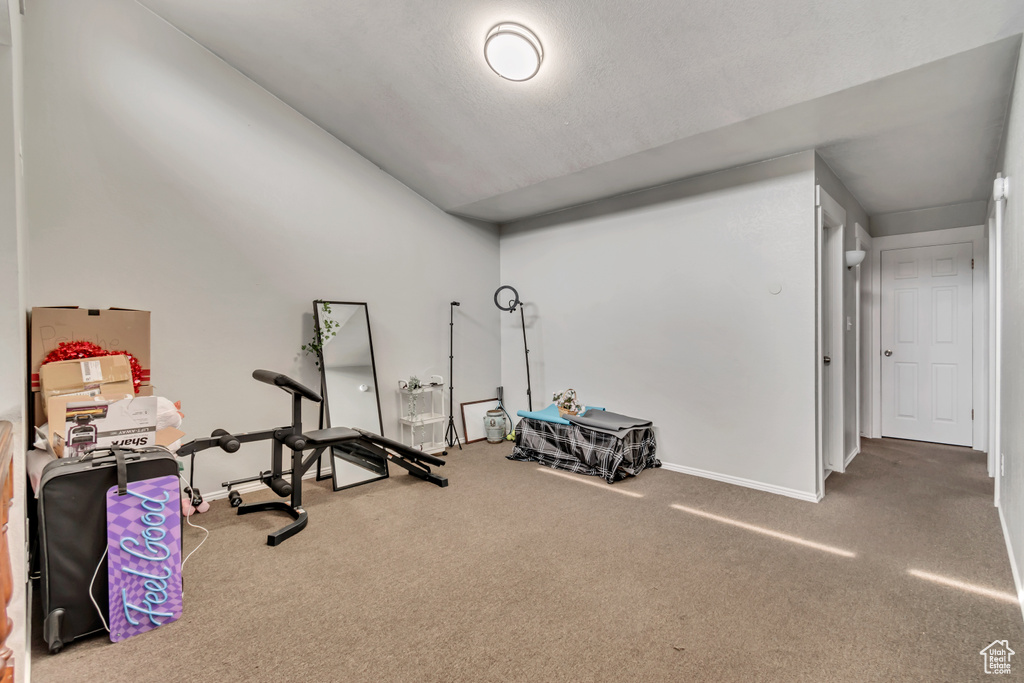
(348, 378)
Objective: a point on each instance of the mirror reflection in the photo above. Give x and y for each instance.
(349, 380)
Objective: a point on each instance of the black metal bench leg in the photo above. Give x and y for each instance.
(285, 532)
(421, 471)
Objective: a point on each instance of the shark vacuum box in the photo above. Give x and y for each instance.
(79, 424)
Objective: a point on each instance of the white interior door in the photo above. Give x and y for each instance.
(927, 382)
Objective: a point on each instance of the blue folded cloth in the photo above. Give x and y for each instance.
(550, 414)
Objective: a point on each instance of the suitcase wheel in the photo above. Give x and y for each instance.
(52, 630)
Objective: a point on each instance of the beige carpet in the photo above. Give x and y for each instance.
(517, 574)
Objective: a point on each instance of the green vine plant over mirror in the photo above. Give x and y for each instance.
(321, 336)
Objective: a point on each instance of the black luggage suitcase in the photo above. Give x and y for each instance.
(73, 535)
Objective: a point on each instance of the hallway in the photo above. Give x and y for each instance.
(925, 510)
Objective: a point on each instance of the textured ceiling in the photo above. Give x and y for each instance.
(635, 94)
(925, 137)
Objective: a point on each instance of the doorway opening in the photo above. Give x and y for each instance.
(927, 342)
(830, 222)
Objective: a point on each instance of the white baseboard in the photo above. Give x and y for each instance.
(1013, 563)
(850, 456)
(739, 481)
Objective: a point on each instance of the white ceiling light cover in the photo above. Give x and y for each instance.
(513, 52)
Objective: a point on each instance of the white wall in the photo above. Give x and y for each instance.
(160, 178)
(13, 285)
(1011, 493)
(867, 330)
(12, 267)
(657, 304)
(855, 215)
(934, 218)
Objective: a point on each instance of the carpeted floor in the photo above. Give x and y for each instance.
(514, 573)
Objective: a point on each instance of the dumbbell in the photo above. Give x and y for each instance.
(227, 441)
(194, 496)
(235, 498)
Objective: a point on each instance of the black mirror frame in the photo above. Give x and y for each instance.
(325, 412)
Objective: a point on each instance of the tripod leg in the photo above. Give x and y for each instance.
(451, 435)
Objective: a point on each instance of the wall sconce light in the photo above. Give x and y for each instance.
(854, 258)
(513, 52)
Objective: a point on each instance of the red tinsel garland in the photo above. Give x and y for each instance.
(83, 349)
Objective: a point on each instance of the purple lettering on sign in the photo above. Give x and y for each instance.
(144, 556)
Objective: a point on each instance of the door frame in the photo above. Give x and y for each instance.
(932, 238)
(922, 351)
(862, 241)
(994, 323)
(829, 214)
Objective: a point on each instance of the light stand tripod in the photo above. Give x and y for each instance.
(451, 435)
(512, 304)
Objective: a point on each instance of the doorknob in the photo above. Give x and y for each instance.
(888, 352)
(828, 359)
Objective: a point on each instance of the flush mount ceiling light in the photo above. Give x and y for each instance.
(513, 52)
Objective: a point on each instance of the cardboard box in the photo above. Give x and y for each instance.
(39, 409)
(87, 377)
(113, 329)
(77, 426)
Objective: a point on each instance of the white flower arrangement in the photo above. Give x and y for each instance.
(567, 402)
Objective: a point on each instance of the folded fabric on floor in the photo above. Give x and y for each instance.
(608, 422)
(549, 414)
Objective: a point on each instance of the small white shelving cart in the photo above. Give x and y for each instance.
(423, 417)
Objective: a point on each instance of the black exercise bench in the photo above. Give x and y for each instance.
(317, 442)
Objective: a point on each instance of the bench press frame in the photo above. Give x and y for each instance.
(291, 436)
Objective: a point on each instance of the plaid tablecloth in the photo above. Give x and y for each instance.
(585, 451)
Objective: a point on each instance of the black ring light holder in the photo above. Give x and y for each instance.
(514, 303)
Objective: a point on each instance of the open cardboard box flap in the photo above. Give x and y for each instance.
(105, 420)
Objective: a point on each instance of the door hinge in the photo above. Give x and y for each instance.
(972, 413)
(972, 264)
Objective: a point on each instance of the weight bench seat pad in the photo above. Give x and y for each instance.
(323, 437)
